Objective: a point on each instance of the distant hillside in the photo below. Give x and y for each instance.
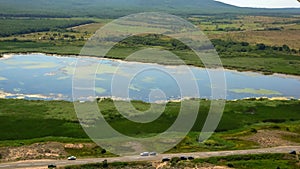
(116, 8)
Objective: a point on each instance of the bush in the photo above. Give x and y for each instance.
(103, 151)
(274, 120)
(175, 160)
(253, 130)
(212, 143)
(230, 165)
(261, 46)
(105, 164)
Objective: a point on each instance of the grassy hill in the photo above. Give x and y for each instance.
(116, 8)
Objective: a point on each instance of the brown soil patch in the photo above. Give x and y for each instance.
(51, 150)
(48, 150)
(35, 168)
(271, 138)
(74, 146)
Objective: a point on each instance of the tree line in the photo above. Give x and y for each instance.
(11, 27)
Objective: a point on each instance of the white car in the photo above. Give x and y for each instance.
(145, 154)
(72, 158)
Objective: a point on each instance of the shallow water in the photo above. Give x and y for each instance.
(38, 76)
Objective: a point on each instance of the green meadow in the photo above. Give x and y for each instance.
(25, 122)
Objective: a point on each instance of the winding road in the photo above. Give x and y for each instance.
(59, 163)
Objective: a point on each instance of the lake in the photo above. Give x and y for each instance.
(40, 76)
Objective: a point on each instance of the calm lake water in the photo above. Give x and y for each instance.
(38, 76)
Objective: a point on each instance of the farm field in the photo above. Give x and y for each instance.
(272, 31)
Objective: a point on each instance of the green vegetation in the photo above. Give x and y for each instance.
(89, 151)
(117, 8)
(26, 122)
(248, 112)
(112, 165)
(21, 120)
(253, 161)
(232, 35)
(26, 46)
(265, 40)
(234, 55)
(13, 26)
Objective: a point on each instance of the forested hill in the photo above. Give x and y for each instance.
(116, 8)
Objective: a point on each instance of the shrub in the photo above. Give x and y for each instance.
(175, 160)
(253, 130)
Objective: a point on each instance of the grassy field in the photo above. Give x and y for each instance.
(254, 161)
(276, 38)
(25, 122)
(272, 31)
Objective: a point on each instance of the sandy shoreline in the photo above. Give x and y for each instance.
(6, 56)
(6, 95)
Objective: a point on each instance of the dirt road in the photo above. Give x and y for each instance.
(59, 163)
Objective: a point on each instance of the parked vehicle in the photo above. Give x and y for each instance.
(183, 158)
(191, 158)
(72, 158)
(51, 166)
(166, 159)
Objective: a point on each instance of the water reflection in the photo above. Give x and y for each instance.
(38, 76)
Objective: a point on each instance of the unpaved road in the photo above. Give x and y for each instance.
(59, 163)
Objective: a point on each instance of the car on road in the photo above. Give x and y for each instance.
(144, 154)
(152, 153)
(72, 158)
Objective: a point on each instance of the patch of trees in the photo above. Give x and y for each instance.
(153, 40)
(274, 29)
(222, 22)
(10, 27)
(226, 48)
(287, 22)
(223, 46)
(229, 29)
(37, 15)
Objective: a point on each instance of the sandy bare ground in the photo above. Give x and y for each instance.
(47, 150)
(271, 138)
